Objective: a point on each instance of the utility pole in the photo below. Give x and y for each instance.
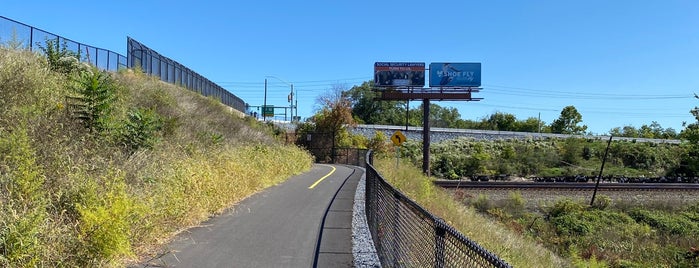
(264, 106)
(426, 137)
(291, 101)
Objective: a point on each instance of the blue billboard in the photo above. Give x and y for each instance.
(455, 74)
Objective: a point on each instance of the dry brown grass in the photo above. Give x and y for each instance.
(98, 204)
(512, 247)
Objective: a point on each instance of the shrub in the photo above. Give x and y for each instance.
(19, 237)
(602, 202)
(60, 59)
(515, 204)
(379, 143)
(482, 204)
(105, 222)
(565, 206)
(22, 202)
(141, 130)
(672, 224)
(95, 97)
(571, 224)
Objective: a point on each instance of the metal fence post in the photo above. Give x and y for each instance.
(31, 38)
(439, 243)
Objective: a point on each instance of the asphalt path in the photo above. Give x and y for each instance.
(277, 227)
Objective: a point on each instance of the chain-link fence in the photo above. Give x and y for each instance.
(350, 156)
(151, 62)
(407, 235)
(18, 35)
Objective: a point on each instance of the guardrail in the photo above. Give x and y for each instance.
(22, 36)
(407, 235)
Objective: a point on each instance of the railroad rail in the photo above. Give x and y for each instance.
(568, 185)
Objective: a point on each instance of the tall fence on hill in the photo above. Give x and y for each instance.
(407, 235)
(22, 36)
(151, 62)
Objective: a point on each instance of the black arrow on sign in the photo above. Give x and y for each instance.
(398, 138)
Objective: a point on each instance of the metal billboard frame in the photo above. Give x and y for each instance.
(408, 93)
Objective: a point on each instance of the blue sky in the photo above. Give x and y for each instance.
(618, 62)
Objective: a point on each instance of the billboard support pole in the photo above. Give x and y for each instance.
(264, 116)
(426, 137)
(407, 113)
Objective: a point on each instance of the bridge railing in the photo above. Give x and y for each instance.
(407, 235)
(21, 36)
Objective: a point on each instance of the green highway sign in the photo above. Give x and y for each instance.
(268, 111)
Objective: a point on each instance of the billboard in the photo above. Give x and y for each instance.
(399, 74)
(455, 74)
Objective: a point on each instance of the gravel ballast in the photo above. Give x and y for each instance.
(363, 248)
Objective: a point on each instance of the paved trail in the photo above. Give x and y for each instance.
(278, 227)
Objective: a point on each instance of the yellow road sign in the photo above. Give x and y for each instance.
(398, 138)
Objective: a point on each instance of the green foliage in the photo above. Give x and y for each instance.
(19, 238)
(690, 158)
(379, 143)
(102, 204)
(602, 202)
(567, 122)
(22, 201)
(369, 110)
(60, 58)
(565, 207)
(604, 236)
(669, 223)
(482, 204)
(580, 262)
(22, 179)
(572, 151)
(463, 157)
(95, 99)
(515, 204)
(142, 129)
(652, 131)
(345, 139)
(105, 222)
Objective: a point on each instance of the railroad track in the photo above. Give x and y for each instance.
(568, 185)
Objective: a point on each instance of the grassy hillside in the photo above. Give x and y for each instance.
(97, 168)
(514, 248)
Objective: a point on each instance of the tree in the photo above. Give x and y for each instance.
(335, 111)
(689, 160)
(532, 124)
(443, 116)
(501, 121)
(567, 122)
(652, 131)
(367, 109)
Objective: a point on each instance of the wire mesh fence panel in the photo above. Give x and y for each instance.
(168, 70)
(18, 35)
(407, 235)
(14, 35)
(349, 156)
